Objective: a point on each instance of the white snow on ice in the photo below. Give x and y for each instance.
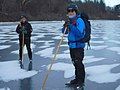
(5, 88)
(118, 88)
(102, 73)
(115, 49)
(4, 46)
(67, 68)
(96, 74)
(11, 70)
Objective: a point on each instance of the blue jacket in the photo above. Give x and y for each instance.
(75, 32)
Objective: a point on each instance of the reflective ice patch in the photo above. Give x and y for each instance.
(24, 49)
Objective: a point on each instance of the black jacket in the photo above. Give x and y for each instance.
(27, 26)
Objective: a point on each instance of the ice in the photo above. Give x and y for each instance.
(57, 37)
(99, 47)
(67, 51)
(102, 73)
(4, 46)
(116, 49)
(34, 38)
(24, 49)
(11, 70)
(3, 41)
(118, 88)
(48, 52)
(98, 42)
(67, 68)
(90, 59)
(6, 88)
(64, 45)
(114, 41)
(96, 74)
(63, 56)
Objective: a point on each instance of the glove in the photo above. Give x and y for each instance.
(24, 32)
(66, 24)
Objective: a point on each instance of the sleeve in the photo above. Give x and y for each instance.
(30, 28)
(78, 29)
(18, 29)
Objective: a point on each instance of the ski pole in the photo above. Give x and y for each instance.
(53, 59)
(23, 39)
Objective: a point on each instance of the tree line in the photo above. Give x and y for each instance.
(10, 10)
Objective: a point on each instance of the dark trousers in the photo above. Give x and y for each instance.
(27, 42)
(77, 55)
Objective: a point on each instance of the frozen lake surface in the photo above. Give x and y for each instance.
(102, 61)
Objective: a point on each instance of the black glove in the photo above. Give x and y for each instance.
(66, 24)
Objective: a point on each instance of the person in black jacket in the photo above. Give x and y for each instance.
(24, 29)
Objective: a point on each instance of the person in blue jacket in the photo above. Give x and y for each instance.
(75, 29)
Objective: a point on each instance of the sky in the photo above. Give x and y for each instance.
(112, 2)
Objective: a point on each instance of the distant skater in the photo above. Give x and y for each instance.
(24, 29)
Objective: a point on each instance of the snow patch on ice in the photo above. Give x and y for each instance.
(96, 74)
(67, 68)
(5, 88)
(102, 73)
(116, 49)
(11, 70)
(118, 88)
(4, 46)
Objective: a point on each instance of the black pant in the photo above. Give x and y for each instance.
(27, 42)
(77, 55)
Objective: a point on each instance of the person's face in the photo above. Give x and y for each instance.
(71, 12)
(23, 19)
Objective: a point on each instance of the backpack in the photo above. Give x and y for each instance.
(87, 36)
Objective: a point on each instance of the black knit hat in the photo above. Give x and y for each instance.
(23, 16)
(72, 7)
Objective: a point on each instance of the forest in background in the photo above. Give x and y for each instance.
(11, 10)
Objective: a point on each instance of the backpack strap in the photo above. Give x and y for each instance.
(88, 45)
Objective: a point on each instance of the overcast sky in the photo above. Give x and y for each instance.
(108, 2)
(112, 2)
